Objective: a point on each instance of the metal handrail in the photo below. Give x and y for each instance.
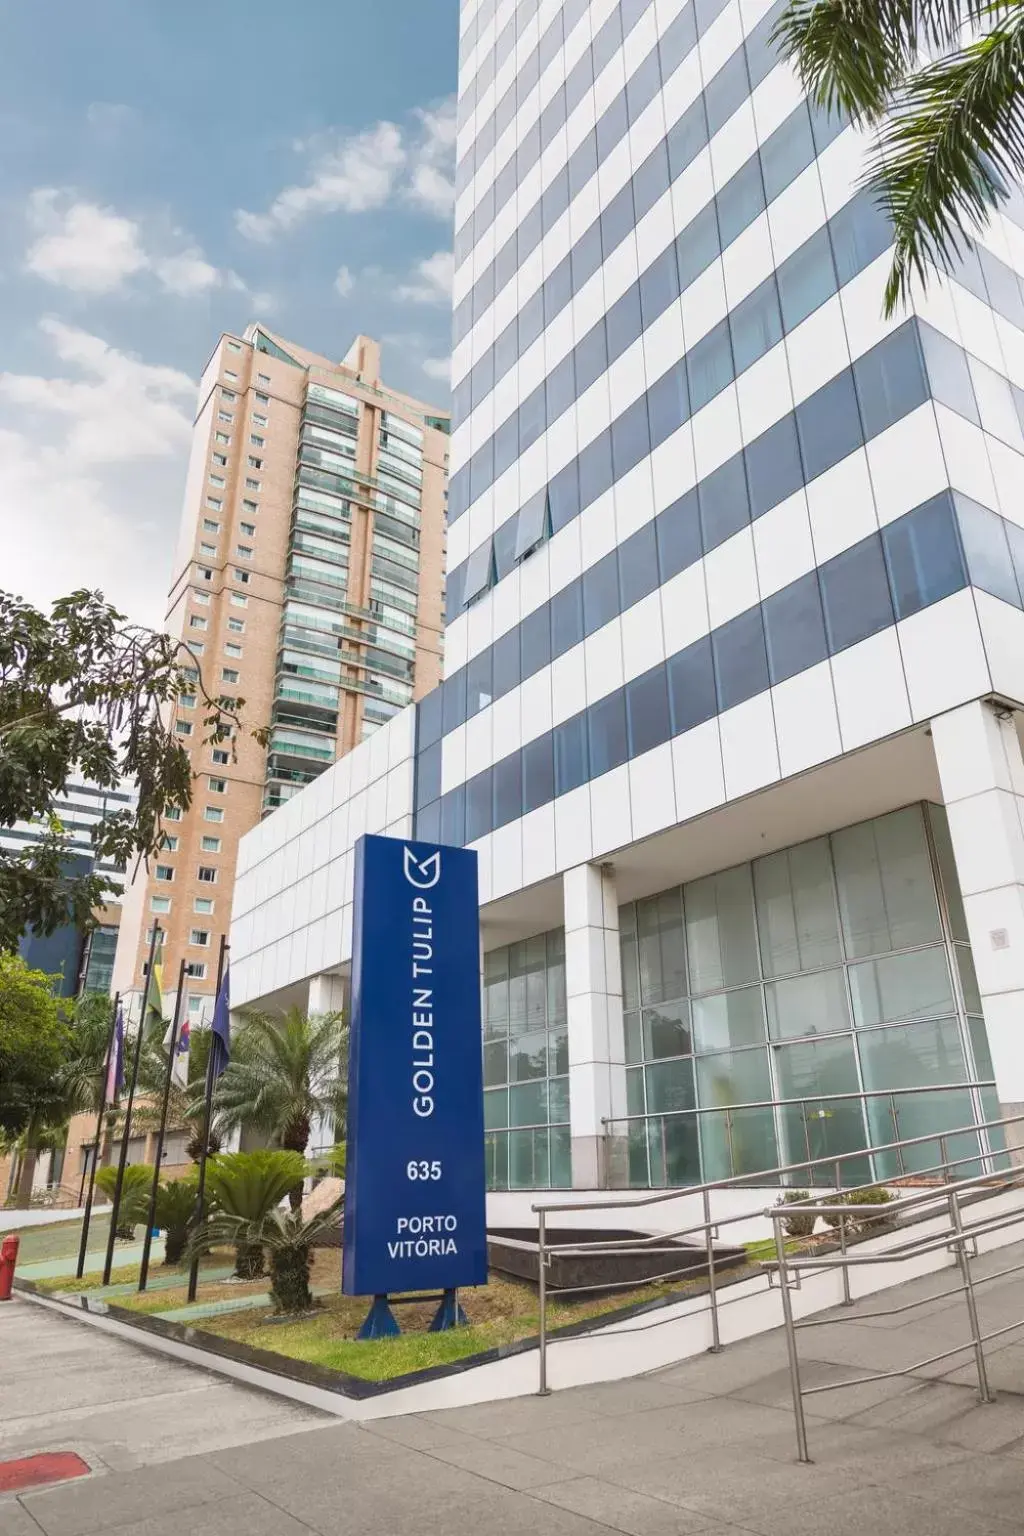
(955, 1238)
(710, 1229)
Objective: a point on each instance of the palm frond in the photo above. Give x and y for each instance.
(954, 138)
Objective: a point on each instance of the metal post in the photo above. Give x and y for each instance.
(716, 1339)
(847, 1298)
(193, 1269)
(794, 1359)
(896, 1136)
(87, 1218)
(147, 1242)
(123, 1159)
(960, 1244)
(944, 1160)
(543, 1390)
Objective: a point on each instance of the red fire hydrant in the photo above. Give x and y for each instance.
(8, 1259)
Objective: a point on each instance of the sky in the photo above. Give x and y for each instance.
(168, 172)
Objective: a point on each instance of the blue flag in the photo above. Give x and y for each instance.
(220, 1045)
(115, 1066)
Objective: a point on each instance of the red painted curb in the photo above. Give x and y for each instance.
(34, 1471)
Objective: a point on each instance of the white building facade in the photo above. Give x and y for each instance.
(735, 645)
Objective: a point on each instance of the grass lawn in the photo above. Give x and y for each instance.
(60, 1240)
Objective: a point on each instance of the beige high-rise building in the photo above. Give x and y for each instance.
(309, 581)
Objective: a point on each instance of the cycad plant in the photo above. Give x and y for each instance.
(287, 1241)
(243, 1188)
(135, 1191)
(942, 84)
(175, 1206)
(286, 1072)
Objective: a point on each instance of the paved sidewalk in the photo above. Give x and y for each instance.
(706, 1446)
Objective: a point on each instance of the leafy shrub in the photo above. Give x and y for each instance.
(862, 1198)
(245, 1187)
(797, 1223)
(135, 1193)
(175, 1203)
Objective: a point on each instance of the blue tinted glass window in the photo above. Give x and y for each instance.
(706, 11)
(428, 823)
(806, 279)
(579, 80)
(531, 320)
(860, 231)
(643, 85)
(483, 291)
(631, 437)
(591, 356)
(756, 324)
(787, 152)
(506, 349)
(740, 201)
(697, 246)
(623, 322)
(709, 366)
(855, 593)
(607, 723)
(538, 772)
(479, 692)
(531, 418)
(1015, 536)
(586, 255)
(726, 91)
(638, 565)
(687, 138)
(506, 264)
(564, 496)
(566, 619)
(611, 126)
(724, 507)
(986, 549)
(571, 758)
(505, 657)
(890, 380)
(453, 816)
(948, 373)
(454, 690)
(741, 662)
(647, 714)
(478, 806)
(506, 444)
(617, 219)
(482, 378)
(651, 180)
(508, 789)
(678, 534)
(481, 470)
(583, 163)
(668, 404)
(428, 717)
(678, 39)
(595, 466)
(794, 628)
(774, 470)
(829, 425)
(428, 774)
(555, 200)
(691, 686)
(762, 53)
(551, 119)
(607, 42)
(557, 289)
(1003, 286)
(535, 640)
(923, 555)
(560, 387)
(826, 125)
(600, 592)
(659, 286)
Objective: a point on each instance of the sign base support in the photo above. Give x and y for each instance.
(380, 1321)
(449, 1314)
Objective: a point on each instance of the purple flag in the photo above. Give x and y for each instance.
(115, 1068)
(220, 1045)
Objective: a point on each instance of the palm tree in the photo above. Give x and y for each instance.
(948, 114)
(286, 1240)
(284, 1073)
(185, 1106)
(243, 1188)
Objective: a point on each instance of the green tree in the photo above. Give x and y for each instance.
(83, 692)
(285, 1072)
(942, 85)
(243, 1188)
(35, 1046)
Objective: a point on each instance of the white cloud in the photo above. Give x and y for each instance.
(365, 171)
(438, 368)
(344, 282)
(92, 461)
(94, 250)
(432, 280)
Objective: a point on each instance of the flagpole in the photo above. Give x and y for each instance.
(193, 1273)
(168, 1075)
(122, 1162)
(87, 1218)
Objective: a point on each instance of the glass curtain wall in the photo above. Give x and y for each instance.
(836, 967)
(526, 1065)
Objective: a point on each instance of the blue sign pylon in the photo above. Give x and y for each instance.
(415, 1207)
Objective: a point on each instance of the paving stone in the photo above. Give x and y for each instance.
(622, 1509)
